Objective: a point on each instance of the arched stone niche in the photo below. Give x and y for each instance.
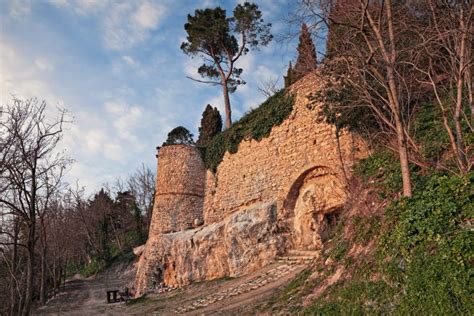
(312, 206)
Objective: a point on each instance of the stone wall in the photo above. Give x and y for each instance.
(266, 170)
(179, 189)
(282, 192)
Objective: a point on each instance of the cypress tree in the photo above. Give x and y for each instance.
(289, 76)
(307, 60)
(211, 125)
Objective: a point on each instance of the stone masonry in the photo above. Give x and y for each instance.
(280, 193)
(179, 190)
(267, 169)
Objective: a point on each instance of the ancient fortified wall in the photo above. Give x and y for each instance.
(179, 198)
(279, 193)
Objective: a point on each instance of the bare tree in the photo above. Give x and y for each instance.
(369, 47)
(142, 186)
(32, 170)
(445, 61)
(269, 87)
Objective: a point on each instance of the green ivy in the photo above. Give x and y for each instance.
(365, 228)
(424, 255)
(256, 125)
(431, 247)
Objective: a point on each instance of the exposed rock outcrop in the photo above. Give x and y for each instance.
(242, 242)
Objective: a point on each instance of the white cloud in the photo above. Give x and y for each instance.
(130, 23)
(264, 74)
(43, 64)
(114, 152)
(125, 123)
(129, 61)
(218, 102)
(123, 23)
(125, 119)
(20, 77)
(190, 67)
(148, 15)
(114, 107)
(59, 3)
(20, 8)
(95, 140)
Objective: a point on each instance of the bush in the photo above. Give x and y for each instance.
(356, 298)
(179, 135)
(431, 243)
(424, 255)
(256, 124)
(383, 167)
(93, 267)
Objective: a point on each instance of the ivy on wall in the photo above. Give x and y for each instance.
(256, 124)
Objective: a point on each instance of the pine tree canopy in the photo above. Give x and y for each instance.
(179, 135)
(220, 41)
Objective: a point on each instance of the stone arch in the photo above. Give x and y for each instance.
(312, 205)
(293, 192)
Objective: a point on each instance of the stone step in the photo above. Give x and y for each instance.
(295, 252)
(295, 259)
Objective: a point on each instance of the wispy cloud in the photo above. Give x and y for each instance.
(117, 66)
(130, 23)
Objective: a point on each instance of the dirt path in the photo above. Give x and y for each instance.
(234, 296)
(87, 296)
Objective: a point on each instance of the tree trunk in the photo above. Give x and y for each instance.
(14, 285)
(403, 154)
(339, 153)
(401, 138)
(459, 97)
(43, 276)
(228, 112)
(30, 264)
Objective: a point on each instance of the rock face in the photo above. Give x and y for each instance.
(242, 242)
(282, 192)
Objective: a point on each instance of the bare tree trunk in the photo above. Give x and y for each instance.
(30, 264)
(14, 285)
(401, 139)
(228, 112)
(43, 276)
(339, 153)
(404, 165)
(395, 104)
(459, 96)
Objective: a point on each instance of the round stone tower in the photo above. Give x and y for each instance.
(180, 184)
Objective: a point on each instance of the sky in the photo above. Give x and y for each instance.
(116, 66)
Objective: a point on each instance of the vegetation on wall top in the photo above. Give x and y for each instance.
(256, 124)
(179, 135)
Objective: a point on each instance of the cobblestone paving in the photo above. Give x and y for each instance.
(286, 265)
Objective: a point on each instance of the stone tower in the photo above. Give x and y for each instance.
(180, 184)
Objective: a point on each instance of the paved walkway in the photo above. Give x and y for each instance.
(294, 261)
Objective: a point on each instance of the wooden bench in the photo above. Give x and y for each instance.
(114, 296)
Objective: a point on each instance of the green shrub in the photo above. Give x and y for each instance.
(430, 133)
(256, 125)
(93, 267)
(431, 247)
(382, 166)
(355, 298)
(365, 228)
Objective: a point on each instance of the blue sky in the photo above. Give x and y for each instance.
(117, 67)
